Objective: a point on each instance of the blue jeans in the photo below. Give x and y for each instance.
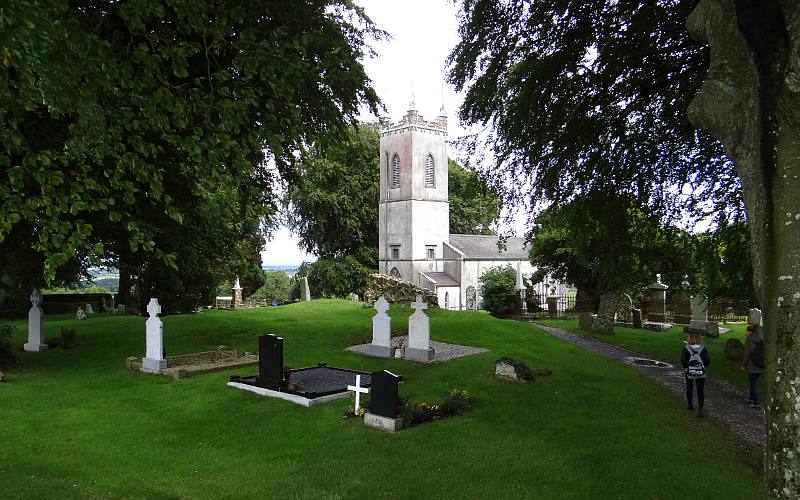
(753, 378)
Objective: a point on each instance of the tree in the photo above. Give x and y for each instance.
(750, 101)
(277, 286)
(474, 206)
(498, 289)
(117, 118)
(588, 95)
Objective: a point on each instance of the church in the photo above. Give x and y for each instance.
(415, 243)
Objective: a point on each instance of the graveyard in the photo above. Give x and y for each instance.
(78, 423)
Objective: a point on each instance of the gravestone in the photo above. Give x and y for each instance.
(270, 361)
(657, 312)
(636, 314)
(236, 295)
(381, 331)
(624, 313)
(384, 399)
(89, 309)
(305, 291)
(120, 309)
(419, 333)
(585, 321)
(604, 321)
(35, 324)
(520, 288)
(681, 304)
(754, 317)
(699, 321)
(154, 360)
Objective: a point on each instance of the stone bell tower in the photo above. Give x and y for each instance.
(414, 212)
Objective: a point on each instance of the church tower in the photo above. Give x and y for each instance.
(414, 213)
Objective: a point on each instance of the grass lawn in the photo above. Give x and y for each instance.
(667, 346)
(76, 424)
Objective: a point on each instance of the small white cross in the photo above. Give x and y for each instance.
(153, 307)
(419, 305)
(358, 390)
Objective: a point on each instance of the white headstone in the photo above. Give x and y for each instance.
(381, 330)
(154, 355)
(305, 291)
(35, 324)
(419, 333)
(89, 309)
(359, 391)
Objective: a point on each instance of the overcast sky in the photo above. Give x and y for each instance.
(423, 34)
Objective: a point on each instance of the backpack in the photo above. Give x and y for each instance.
(757, 356)
(696, 368)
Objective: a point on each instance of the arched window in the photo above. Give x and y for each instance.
(395, 171)
(447, 300)
(394, 273)
(430, 180)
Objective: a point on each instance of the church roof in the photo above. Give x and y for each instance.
(441, 279)
(485, 247)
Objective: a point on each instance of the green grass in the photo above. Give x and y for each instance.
(667, 346)
(76, 424)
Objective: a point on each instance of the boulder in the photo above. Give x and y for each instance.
(734, 349)
(512, 369)
(585, 321)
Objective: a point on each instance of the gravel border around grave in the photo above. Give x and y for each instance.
(724, 401)
(199, 363)
(441, 351)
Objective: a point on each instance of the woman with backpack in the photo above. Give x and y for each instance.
(753, 361)
(695, 360)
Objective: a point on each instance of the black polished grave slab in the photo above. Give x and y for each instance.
(315, 381)
(270, 361)
(384, 394)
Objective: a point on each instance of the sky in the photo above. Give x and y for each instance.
(423, 34)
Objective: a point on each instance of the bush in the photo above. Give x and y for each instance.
(7, 358)
(334, 277)
(277, 285)
(498, 287)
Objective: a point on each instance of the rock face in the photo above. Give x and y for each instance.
(734, 349)
(396, 290)
(512, 369)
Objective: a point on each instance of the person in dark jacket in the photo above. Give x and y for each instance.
(695, 371)
(754, 336)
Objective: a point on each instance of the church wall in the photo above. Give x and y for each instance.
(452, 262)
(453, 297)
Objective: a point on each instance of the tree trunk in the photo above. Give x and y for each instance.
(750, 101)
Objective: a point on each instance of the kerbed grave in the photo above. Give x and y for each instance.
(305, 386)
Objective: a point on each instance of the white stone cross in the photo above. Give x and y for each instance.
(154, 360)
(359, 391)
(419, 305)
(36, 297)
(153, 308)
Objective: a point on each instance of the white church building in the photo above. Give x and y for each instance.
(415, 243)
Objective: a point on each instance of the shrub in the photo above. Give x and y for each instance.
(498, 287)
(277, 285)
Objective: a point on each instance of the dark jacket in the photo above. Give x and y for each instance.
(756, 337)
(685, 357)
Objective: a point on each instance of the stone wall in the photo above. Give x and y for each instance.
(396, 291)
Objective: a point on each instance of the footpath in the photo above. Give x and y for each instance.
(723, 401)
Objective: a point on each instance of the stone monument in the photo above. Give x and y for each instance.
(658, 301)
(236, 295)
(699, 321)
(383, 402)
(89, 309)
(381, 331)
(681, 303)
(419, 333)
(154, 361)
(305, 291)
(624, 313)
(36, 324)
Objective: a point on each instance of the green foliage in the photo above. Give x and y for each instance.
(474, 206)
(277, 286)
(583, 96)
(338, 277)
(498, 285)
(118, 121)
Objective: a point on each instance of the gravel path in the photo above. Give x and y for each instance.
(724, 402)
(441, 350)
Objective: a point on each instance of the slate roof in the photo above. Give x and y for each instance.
(441, 279)
(485, 247)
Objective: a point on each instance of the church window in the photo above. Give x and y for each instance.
(447, 300)
(394, 273)
(430, 180)
(395, 171)
(395, 252)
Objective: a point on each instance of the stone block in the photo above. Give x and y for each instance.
(31, 347)
(637, 318)
(381, 351)
(151, 365)
(512, 369)
(383, 423)
(419, 354)
(130, 361)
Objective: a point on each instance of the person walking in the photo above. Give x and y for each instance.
(695, 360)
(753, 361)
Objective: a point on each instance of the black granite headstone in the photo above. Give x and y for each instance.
(383, 394)
(270, 361)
